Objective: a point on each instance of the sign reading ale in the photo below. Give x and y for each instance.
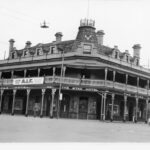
(27, 81)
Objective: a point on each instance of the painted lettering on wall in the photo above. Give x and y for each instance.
(27, 81)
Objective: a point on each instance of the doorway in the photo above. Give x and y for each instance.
(64, 106)
(83, 107)
(131, 110)
(98, 108)
(7, 100)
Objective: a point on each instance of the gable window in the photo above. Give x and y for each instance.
(87, 49)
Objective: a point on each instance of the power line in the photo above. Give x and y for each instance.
(4, 43)
(88, 9)
(19, 12)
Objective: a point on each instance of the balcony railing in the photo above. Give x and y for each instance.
(85, 83)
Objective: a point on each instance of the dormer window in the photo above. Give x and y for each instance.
(127, 58)
(25, 53)
(136, 62)
(87, 49)
(52, 50)
(13, 55)
(116, 54)
(39, 51)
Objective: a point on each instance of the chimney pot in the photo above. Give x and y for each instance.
(11, 46)
(58, 36)
(28, 44)
(116, 47)
(100, 35)
(136, 50)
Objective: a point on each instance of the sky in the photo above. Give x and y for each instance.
(125, 22)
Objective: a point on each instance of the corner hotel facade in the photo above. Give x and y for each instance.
(80, 78)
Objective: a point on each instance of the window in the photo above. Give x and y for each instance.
(87, 49)
(115, 109)
(25, 53)
(116, 54)
(52, 50)
(127, 58)
(13, 55)
(137, 62)
(39, 51)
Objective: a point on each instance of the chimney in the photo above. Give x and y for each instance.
(136, 50)
(11, 45)
(58, 37)
(115, 47)
(100, 35)
(28, 44)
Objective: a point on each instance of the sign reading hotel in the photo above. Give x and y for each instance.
(28, 81)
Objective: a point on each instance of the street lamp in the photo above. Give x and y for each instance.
(60, 48)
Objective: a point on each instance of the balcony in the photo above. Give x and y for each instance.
(88, 83)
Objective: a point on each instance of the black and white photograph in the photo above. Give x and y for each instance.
(75, 71)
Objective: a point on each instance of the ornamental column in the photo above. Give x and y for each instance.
(126, 81)
(112, 107)
(104, 110)
(147, 85)
(0, 75)
(2, 91)
(52, 102)
(27, 102)
(146, 115)
(54, 69)
(42, 102)
(125, 107)
(101, 117)
(39, 70)
(136, 109)
(64, 71)
(137, 84)
(13, 104)
(25, 73)
(12, 73)
(106, 72)
(114, 76)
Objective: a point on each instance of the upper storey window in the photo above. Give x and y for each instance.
(116, 54)
(25, 53)
(39, 51)
(127, 58)
(87, 49)
(136, 61)
(52, 50)
(13, 55)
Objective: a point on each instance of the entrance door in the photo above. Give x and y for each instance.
(98, 108)
(83, 107)
(131, 111)
(64, 106)
(7, 104)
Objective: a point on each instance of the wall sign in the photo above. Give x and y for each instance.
(28, 81)
(79, 89)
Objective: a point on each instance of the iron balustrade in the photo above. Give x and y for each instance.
(130, 88)
(85, 82)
